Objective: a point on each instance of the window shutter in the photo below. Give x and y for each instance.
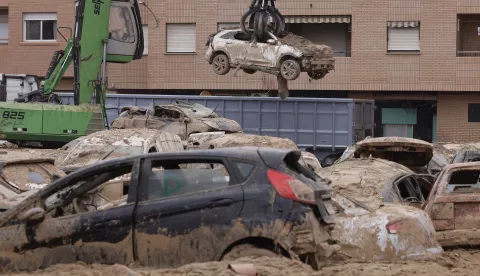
(40, 16)
(145, 39)
(181, 38)
(3, 28)
(404, 39)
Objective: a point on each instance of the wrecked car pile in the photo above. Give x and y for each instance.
(179, 118)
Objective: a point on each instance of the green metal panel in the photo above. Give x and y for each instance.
(23, 118)
(399, 116)
(96, 17)
(68, 118)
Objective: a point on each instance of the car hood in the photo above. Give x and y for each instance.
(364, 235)
(306, 46)
(406, 151)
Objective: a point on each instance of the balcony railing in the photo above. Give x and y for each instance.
(468, 53)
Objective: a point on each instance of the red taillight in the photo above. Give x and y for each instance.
(289, 187)
(393, 227)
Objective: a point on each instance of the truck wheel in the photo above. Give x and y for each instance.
(290, 69)
(221, 64)
(249, 71)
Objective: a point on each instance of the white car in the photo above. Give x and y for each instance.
(288, 55)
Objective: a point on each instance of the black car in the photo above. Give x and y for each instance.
(179, 207)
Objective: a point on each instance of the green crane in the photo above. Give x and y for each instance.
(104, 31)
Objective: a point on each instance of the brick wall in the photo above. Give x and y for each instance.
(435, 68)
(452, 124)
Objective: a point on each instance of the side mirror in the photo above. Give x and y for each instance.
(272, 41)
(34, 216)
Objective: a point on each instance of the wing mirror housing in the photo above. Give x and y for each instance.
(272, 41)
(34, 216)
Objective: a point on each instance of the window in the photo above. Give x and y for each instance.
(403, 36)
(3, 26)
(39, 26)
(185, 178)
(145, 40)
(245, 169)
(181, 38)
(465, 181)
(473, 112)
(121, 25)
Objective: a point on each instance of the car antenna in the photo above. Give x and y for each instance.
(214, 109)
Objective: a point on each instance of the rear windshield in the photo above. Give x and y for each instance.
(466, 181)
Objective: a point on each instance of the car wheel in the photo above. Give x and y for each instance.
(248, 250)
(290, 69)
(221, 64)
(249, 71)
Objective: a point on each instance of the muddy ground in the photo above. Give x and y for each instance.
(457, 262)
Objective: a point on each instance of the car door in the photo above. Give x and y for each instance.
(454, 206)
(80, 227)
(186, 210)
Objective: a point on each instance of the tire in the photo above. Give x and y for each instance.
(317, 75)
(248, 250)
(249, 71)
(221, 64)
(290, 69)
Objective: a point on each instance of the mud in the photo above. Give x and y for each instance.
(305, 45)
(245, 140)
(457, 262)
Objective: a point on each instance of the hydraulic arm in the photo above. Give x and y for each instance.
(104, 31)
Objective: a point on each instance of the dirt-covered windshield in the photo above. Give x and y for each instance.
(85, 155)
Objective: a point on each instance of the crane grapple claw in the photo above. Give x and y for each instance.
(262, 18)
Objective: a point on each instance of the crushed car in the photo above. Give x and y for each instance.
(22, 172)
(174, 215)
(360, 231)
(454, 205)
(387, 199)
(287, 55)
(180, 118)
(215, 140)
(114, 143)
(412, 153)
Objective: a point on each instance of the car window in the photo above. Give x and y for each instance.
(168, 180)
(245, 169)
(465, 181)
(407, 190)
(101, 190)
(229, 35)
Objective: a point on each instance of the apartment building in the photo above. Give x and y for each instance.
(418, 59)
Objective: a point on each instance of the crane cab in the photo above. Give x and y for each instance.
(125, 32)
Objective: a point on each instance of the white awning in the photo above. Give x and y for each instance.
(318, 19)
(403, 24)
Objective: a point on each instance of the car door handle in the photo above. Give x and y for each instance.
(111, 223)
(219, 203)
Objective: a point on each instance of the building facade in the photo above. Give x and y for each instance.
(418, 59)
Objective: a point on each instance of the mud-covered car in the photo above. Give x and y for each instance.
(215, 140)
(22, 172)
(362, 232)
(454, 205)
(287, 55)
(114, 143)
(174, 216)
(412, 153)
(383, 189)
(180, 118)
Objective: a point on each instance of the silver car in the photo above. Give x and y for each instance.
(288, 55)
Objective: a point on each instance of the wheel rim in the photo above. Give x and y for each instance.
(219, 63)
(289, 69)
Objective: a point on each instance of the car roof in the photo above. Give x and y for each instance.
(127, 137)
(9, 157)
